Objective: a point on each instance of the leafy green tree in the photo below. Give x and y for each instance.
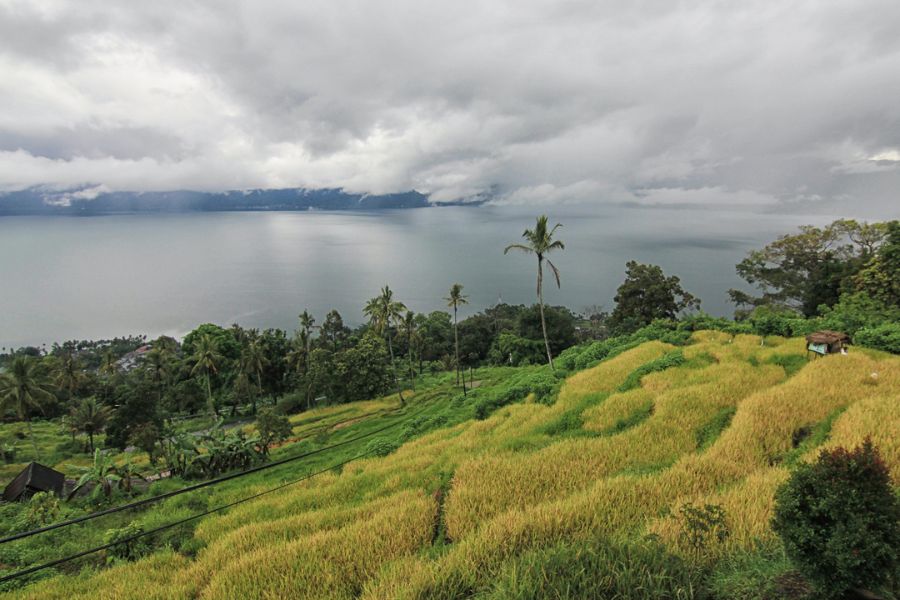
(25, 386)
(272, 428)
(805, 270)
(648, 294)
(560, 326)
(276, 346)
(435, 331)
(454, 301)
(319, 379)
(880, 279)
(89, 417)
(109, 369)
(206, 358)
(361, 371)
(333, 330)
(540, 242)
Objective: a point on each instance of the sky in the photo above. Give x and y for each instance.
(777, 104)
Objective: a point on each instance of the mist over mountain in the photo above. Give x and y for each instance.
(90, 201)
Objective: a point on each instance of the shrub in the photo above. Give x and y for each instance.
(292, 403)
(381, 447)
(122, 549)
(702, 528)
(883, 337)
(42, 509)
(840, 520)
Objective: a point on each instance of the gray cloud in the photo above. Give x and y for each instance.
(777, 104)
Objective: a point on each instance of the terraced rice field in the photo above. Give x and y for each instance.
(444, 514)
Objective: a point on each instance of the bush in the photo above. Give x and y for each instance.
(883, 337)
(292, 403)
(840, 520)
(42, 509)
(125, 550)
(596, 569)
(381, 447)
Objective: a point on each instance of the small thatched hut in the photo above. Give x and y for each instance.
(825, 342)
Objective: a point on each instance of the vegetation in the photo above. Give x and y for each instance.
(640, 464)
(540, 242)
(840, 520)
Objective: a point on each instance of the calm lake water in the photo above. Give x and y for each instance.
(87, 278)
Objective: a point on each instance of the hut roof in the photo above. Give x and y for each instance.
(826, 336)
(34, 478)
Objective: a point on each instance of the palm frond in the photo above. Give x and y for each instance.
(555, 272)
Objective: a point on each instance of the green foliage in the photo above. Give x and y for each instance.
(791, 363)
(710, 432)
(363, 371)
(272, 427)
(762, 573)
(648, 294)
(641, 414)
(515, 351)
(839, 520)
(667, 361)
(381, 447)
(881, 276)
(857, 311)
(883, 337)
(702, 528)
(541, 382)
(43, 508)
(801, 272)
(595, 569)
(123, 550)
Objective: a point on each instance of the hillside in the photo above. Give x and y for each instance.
(46, 201)
(535, 494)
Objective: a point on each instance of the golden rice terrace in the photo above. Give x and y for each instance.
(442, 515)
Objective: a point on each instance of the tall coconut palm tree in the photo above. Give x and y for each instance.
(68, 375)
(25, 385)
(307, 323)
(410, 329)
(253, 362)
(89, 417)
(454, 301)
(109, 368)
(539, 241)
(207, 358)
(383, 311)
(156, 361)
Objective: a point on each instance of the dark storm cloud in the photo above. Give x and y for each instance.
(772, 103)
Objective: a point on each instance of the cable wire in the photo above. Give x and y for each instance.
(196, 486)
(131, 538)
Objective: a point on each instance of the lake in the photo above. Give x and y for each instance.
(95, 277)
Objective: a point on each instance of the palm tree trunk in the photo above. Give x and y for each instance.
(258, 390)
(33, 441)
(209, 398)
(456, 343)
(409, 351)
(540, 290)
(91, 440)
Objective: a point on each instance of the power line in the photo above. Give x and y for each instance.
(131, 538)
(191, 488)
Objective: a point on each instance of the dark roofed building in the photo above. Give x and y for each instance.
(33, 479)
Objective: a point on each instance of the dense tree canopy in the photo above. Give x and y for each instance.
(648, 294)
